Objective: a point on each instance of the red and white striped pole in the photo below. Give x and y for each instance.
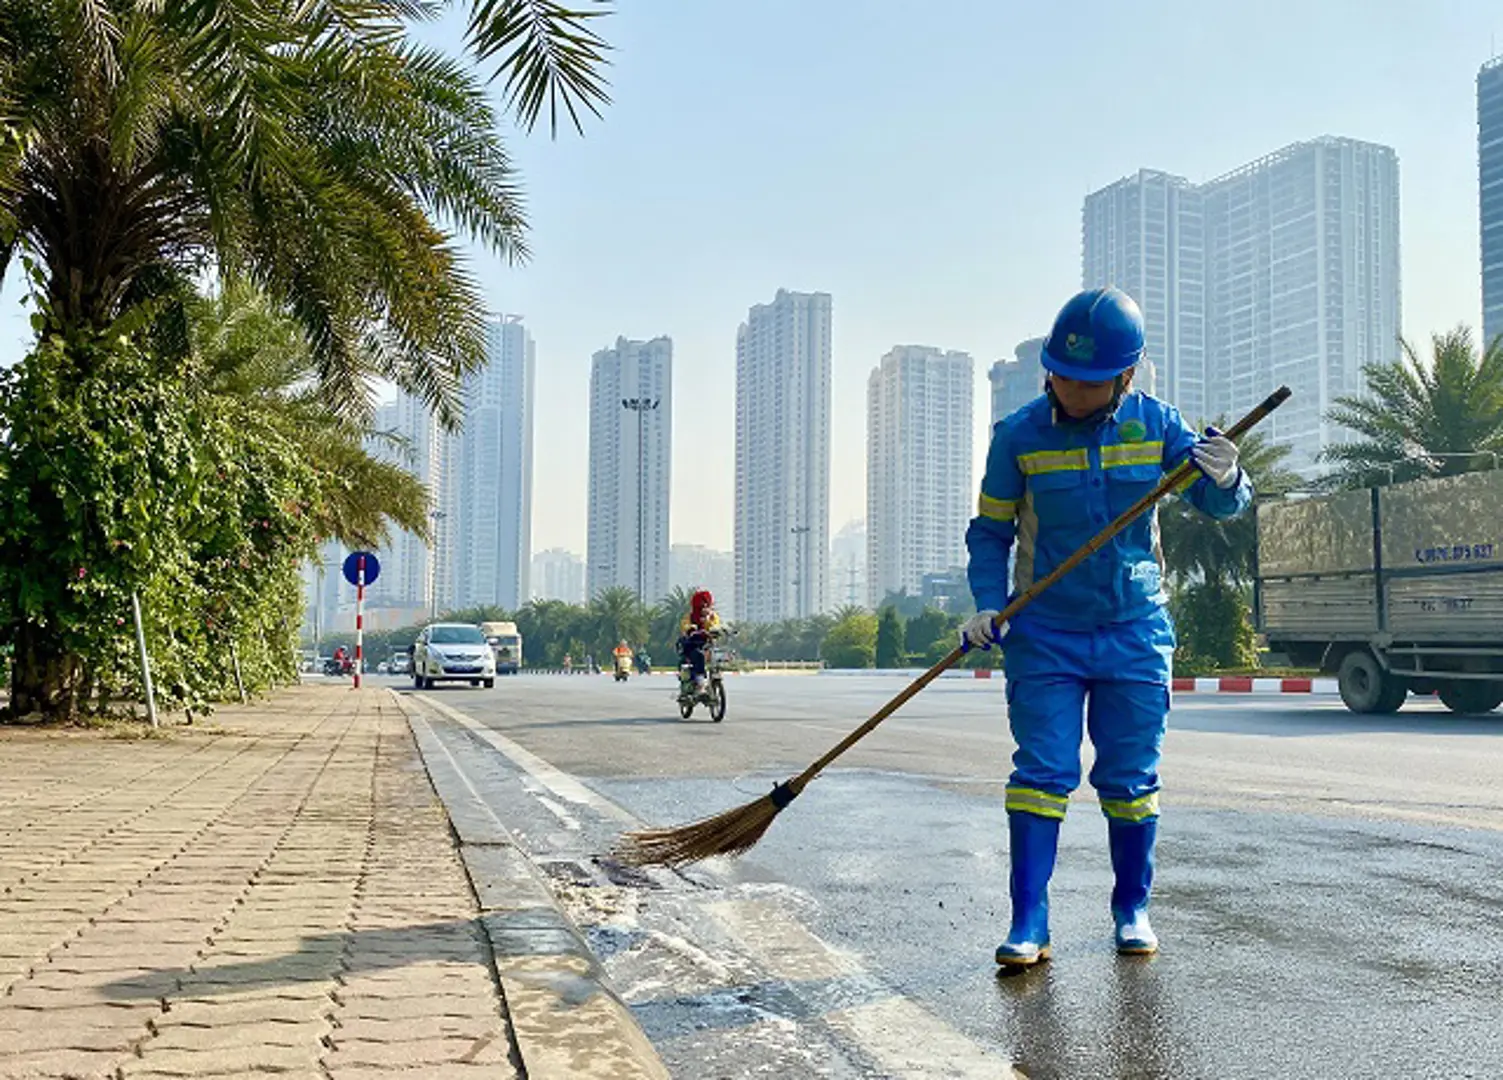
(359, 618)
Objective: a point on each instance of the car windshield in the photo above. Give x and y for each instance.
(456, 635)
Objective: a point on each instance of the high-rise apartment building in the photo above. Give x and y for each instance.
(631, 453)
(782, 531)
(693, 566)
(919, 498)
(1297, 263)
(1018, 381)
(558, 575)
(1490, 193)
(848, 565)
(415, 574)
(1145, 234)
(492, 488)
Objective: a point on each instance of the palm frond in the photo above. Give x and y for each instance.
(1420, 419)
(548, 53)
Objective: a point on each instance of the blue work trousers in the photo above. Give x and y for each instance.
(1113, 680)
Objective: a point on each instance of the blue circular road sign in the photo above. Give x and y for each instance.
(352, 567)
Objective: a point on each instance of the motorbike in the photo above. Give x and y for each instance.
(345, 666)
(623, 668)
(712, 692)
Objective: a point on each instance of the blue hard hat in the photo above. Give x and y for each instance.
(1097, 335)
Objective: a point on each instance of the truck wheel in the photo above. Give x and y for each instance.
(1471, 698)
(1365, 687)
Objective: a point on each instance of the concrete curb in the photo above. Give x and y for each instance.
(567, 1019)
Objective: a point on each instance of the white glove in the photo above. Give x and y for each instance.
(1216, 456)
(978, 633)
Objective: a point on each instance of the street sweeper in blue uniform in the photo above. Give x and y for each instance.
(1095, 649)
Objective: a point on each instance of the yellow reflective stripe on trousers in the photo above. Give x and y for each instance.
(997, 509)
(1047, 461)
(1143, 453)
(1033, 801)
(1139, 809)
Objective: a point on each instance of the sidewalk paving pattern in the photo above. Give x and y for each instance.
(278, 892)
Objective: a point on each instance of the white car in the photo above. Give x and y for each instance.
(452, 652)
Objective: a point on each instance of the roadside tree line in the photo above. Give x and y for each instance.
(231, 219)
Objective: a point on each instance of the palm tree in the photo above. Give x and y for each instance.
(248, 351)
(1423, 420)
(315, 149)
(616, 615)
(1223, 551)
(666, 616)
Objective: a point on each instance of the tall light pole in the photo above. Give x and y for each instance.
(799, 532)
(641, 406)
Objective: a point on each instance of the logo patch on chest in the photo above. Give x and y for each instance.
(1132, 431)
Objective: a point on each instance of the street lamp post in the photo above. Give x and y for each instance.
(641, 406)
(798, 531)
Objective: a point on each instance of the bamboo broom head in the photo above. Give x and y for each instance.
(729, 833)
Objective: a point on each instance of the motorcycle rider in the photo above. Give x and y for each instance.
(696, 631)
(622, 654)
(1097, 646)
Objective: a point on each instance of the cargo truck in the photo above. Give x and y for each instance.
(506, 642)
(1396, 589)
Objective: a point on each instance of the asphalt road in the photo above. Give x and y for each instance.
(1330, 891)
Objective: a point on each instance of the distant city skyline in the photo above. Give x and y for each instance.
(987, 255)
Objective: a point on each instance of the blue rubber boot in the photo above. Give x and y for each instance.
(1034, 844)
(1131, 844)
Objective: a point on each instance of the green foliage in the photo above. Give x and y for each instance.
(319, 151)
(121, 479)
(891, 643)
(1418, 419)
(191, 453)
(851, 642)
(1196, 546)
(931, 635)
(1214, 628)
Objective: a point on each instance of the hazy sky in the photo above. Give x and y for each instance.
(925, 164)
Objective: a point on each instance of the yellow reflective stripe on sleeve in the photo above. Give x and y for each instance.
(1033, 801)
(1048, 461)
(997, 509)
(1143, 453)
(1189, 481)
(1139, 809)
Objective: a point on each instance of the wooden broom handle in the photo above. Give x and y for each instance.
(1172, 480)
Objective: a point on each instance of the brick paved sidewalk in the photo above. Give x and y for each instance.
(279, 892)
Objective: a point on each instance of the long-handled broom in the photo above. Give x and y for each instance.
(736, 831)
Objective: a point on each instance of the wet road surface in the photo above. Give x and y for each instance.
(1330, 891)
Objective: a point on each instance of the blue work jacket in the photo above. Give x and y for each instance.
(1050, 487)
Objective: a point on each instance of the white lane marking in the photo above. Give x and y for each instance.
(910, 1042)
(780, 943)
(890, 1030)
(550, 776)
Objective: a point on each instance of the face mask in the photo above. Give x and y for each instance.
(1095, 419)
